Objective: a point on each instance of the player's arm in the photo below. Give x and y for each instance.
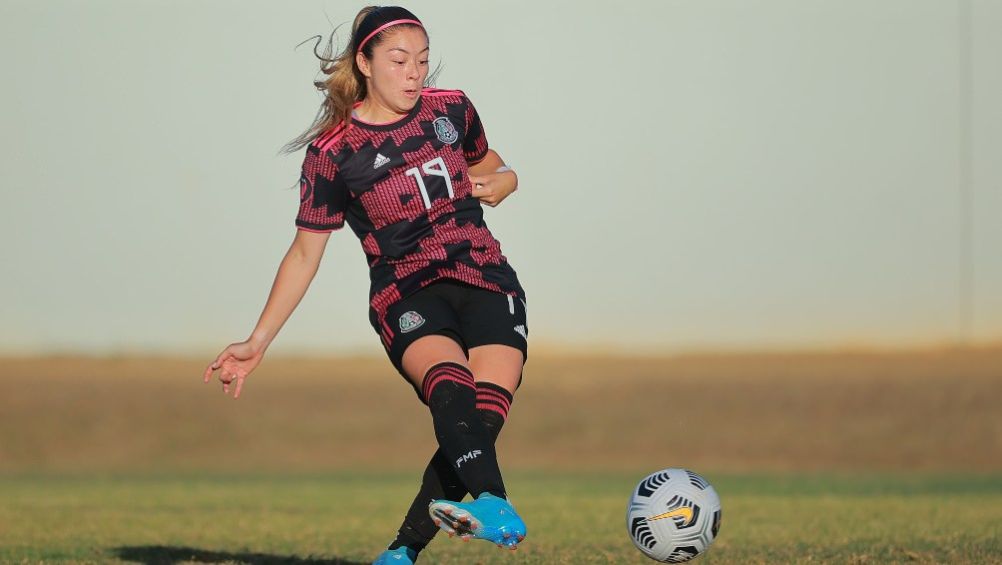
(489, 164)
(490, 185)
(295, 274)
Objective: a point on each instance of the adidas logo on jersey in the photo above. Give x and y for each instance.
(520, 330)
(380, 160)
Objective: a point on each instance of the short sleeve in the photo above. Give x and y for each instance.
(475, 141)
(322, 194)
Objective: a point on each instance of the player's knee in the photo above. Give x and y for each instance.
(493, 422)
(447, 382)
(493, 403)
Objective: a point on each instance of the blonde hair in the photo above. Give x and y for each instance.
(345, 83)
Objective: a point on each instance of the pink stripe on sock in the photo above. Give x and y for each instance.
(487, 393)
(437, 381)
(465, 379)
(446, 373)
(460, 373)
(494, 407)
(456, 370)
(502, 410)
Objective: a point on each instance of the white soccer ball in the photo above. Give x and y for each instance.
(673, 515)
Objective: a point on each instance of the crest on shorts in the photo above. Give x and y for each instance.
(410, 321)
(445, 131)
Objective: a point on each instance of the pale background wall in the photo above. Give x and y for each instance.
(780, 173)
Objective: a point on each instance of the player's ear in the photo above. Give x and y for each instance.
(363, 64)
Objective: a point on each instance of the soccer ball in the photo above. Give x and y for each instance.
(673, 515)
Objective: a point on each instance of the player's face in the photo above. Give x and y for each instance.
(397, 70)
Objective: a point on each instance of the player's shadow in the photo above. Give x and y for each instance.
(169, 555)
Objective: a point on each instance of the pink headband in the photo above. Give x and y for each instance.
(384, 26)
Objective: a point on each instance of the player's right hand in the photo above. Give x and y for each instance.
(492, 188)
(234, 364)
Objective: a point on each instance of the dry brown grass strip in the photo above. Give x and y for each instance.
(931, 410)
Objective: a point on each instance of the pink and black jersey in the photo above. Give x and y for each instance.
(404, 189)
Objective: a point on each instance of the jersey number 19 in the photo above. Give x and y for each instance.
(435, 167)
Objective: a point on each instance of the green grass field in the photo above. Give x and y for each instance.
(818, 458)
(348, 518)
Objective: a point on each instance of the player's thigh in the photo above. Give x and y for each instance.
(497, 364)
(422, 328)
(428, 351)
(495, 330)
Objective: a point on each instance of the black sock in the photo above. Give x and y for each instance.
(440, 480)
(451, 394)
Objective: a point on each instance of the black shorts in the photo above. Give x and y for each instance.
(470, 315)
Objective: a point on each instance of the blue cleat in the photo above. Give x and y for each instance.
(488, 518)
(399, 556)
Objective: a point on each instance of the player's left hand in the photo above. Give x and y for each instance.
(492, 188)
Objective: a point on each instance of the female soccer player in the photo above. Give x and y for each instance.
(408, 168)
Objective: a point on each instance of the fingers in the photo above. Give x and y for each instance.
(480, 191)
(484, 194)
(227, 374)
(489, 198)
(488, 190)
(209, 370)
(227, 380)
(215, 364)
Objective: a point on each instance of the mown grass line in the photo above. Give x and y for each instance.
(573, 518)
